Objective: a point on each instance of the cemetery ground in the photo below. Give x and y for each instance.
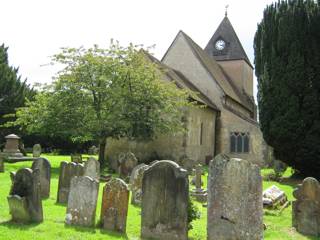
(53, 227)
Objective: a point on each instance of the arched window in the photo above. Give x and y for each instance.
(239, 142)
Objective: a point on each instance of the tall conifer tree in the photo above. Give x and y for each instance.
(287, 66)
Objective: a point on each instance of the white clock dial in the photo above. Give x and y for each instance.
(220, 45)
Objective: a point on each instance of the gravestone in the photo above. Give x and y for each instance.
(45, 175)
(36, 150)
(11, 147)
(187, 163)
(82, 202)
(126, 164)
(234, 200)
(67, 172)
(92, 168)
(306, 209)
(136, 183)
(273, 197)
(24, 198)
(76, 158)
(199, 193)
(164, 207)
(114, 209)
(2, 157)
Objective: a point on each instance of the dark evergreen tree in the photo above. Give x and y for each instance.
(13, 92)
(287, 66)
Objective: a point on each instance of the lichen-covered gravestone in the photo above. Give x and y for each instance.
(24, 198)
(92, 168)
(36, 150)
(164, 213)
(234, 200)
(306, 209)
(136, 183)
(114, 209)
(45, 175)
(67, 172)
(82, 202)
(126, 164)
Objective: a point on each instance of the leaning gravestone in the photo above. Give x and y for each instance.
(114, 208)
(136, 183)
(24, 199)
(164, 213)
(126, 164)
(306, 209)
(45, 175)
(36, 150)
(67, 172)
(92, 168)
(234, 200)
(82, 202)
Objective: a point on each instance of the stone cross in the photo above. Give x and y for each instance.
(306, 209)
(36, 150)
(114, 209)
(82, 201)
(44, 167)
(164, 207)
(234, 200)
(24, 198)
(67, 172)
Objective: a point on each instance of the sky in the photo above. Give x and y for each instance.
(34, 30)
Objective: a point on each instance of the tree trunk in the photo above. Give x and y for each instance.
(102, 147)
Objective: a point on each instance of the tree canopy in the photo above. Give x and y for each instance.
(13, 92)
(100, 93)
(287, 66)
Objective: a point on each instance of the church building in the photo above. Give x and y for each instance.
(222, 76)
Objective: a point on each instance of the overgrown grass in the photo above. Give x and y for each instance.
(53, 227)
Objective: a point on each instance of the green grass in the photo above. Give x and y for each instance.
(53, 227)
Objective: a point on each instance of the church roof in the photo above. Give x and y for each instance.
(218, 74)
(182, 81)
(233, 49)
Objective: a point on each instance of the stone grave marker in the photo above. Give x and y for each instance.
(306, 209)
(199, 193)
(164, 207)
(11, 147)
(114, 208)
(44, 166)
(82, 201)
(67, 172)
(2, 157)
(92, 168)
(274, 196)
(126, 164)
(136, 183)
(24, 198)
(235, 208)
(36, 150)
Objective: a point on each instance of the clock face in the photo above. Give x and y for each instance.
(220, 45)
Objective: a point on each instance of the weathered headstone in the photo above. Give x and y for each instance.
(92, 168)
(234, 200)
(187, 163)
(24, 199)
(126, 164)
(45, 175)
(76, 158)
(82, 202)
(306, 209)
(136, 183)
(67, 172)
(164, 213)
(36, 150)
(114, 209)
(199, 193)
(12, 146)
(273, 197)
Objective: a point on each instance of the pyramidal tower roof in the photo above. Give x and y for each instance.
(232, 48)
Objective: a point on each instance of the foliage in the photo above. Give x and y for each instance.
(193, 213)
(13, 92)
(100, 93)
(287, 61)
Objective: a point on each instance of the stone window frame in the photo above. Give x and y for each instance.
(239, 142)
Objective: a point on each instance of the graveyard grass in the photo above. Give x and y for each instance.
(53, 227)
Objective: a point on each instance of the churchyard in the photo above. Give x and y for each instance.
(278, 224)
